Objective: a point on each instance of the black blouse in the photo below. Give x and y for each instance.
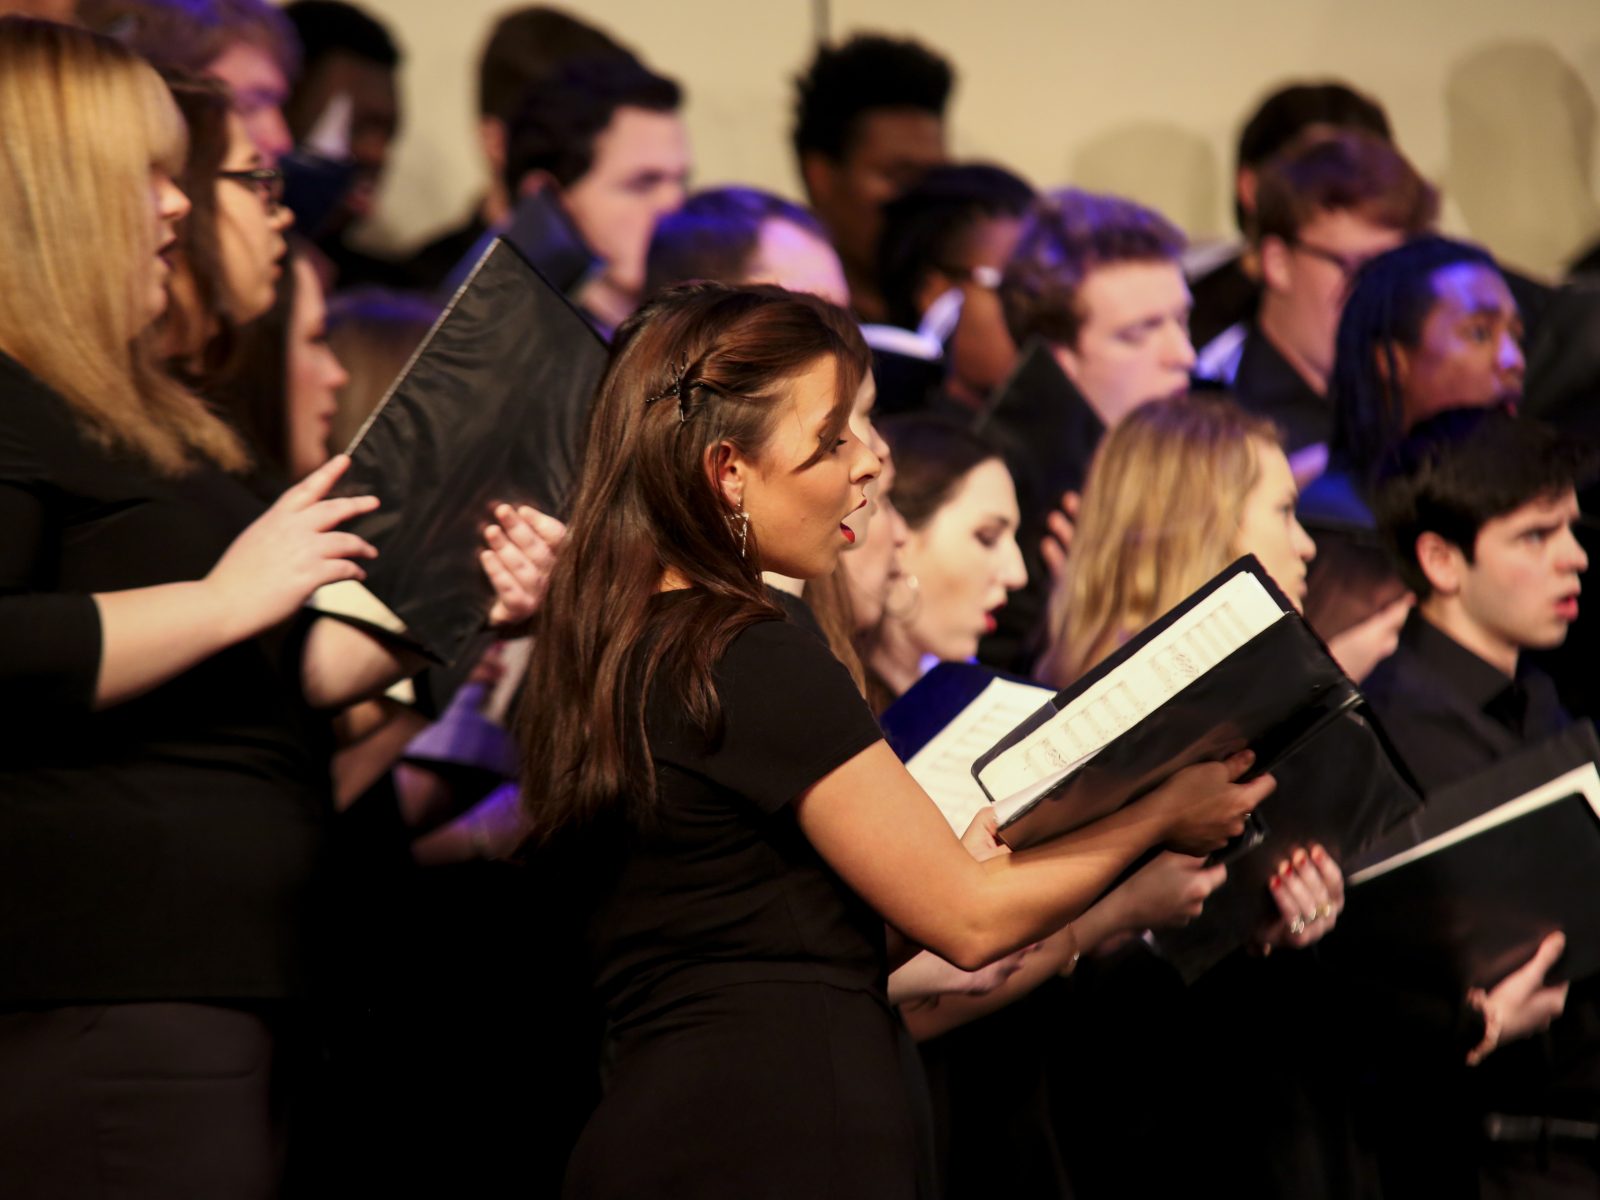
(163, 848)
(726, 888)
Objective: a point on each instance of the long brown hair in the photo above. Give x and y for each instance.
(697, 367)
(86, 123)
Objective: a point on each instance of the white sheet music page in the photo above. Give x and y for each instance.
(1192, 645)
(1584, 780)
(944, 766)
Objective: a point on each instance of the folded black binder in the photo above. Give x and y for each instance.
(1232, 666)
(1463, 892)
(492, 407)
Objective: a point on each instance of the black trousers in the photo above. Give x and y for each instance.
(129, 1101)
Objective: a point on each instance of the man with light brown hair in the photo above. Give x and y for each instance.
(247, 44)
(1324, 206)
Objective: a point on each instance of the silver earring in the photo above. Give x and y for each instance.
(742, 519)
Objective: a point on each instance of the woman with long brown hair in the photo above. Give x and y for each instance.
(706, 773)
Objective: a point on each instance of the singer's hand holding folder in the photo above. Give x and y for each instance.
(1232, 666)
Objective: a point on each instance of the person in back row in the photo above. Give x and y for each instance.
(1477, 508)
(944, 244)
(744, 235)
(869, 121)
(249, 45)
(1096, 282)
(1227, 292)
(1428, 326)
(604, 136)
(1324, 207)
(526, 44)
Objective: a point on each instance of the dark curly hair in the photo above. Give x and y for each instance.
(868, 72)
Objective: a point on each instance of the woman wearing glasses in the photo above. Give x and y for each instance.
(161, 689)
(230, 252)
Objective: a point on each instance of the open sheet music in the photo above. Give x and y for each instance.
(1195, 643)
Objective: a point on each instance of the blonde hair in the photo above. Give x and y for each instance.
(86, 122)
(1160, 516)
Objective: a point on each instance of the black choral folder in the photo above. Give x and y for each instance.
(1462, 894)
(491, 407)
(1234, 665)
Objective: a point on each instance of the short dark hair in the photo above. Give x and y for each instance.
(923, 227)
(1288, 112)
(715, 234)
(332, 27)
(560, 116)
(1462, 468)
(189, 35)
(1069, 233)
(867, 72)
(528, 44)
(1388, 304)
(1347, 171)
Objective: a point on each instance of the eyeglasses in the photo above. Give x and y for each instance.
(1347, 264)
(266, 182)
(985, 277)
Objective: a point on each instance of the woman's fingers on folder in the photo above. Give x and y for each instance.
(1308, 890)
(1169, 891)
(1524, 1003)
(1205, 805)
(982, 838)
(520, 556)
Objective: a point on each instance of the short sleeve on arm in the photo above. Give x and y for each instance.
(790, 714)
(49, 643)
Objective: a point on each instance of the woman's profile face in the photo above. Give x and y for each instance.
(315, 374)
(168, 206)
(805, 481)
(965, 559)
(250, 231)
(861, 422)
(1268, 527)
(872, 566)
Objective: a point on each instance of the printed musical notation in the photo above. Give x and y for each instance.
(1195, 643)
(944, 765)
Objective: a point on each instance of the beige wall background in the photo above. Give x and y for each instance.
(1493, 99)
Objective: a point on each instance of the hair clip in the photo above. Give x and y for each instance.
(678, 388)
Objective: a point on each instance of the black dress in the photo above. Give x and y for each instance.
(164, 848)
(750, 1047)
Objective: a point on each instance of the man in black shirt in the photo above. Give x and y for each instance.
(869, 123)
(1226, 293)
(526, 45)
(1324, 207)
(1478, 508)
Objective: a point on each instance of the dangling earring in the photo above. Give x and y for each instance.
(913, 593)
(742, 520)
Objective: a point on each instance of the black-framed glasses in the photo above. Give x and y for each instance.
(266, 182)
(1348, 265)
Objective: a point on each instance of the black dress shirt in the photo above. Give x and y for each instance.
(1268, 386)
(1450, 713)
